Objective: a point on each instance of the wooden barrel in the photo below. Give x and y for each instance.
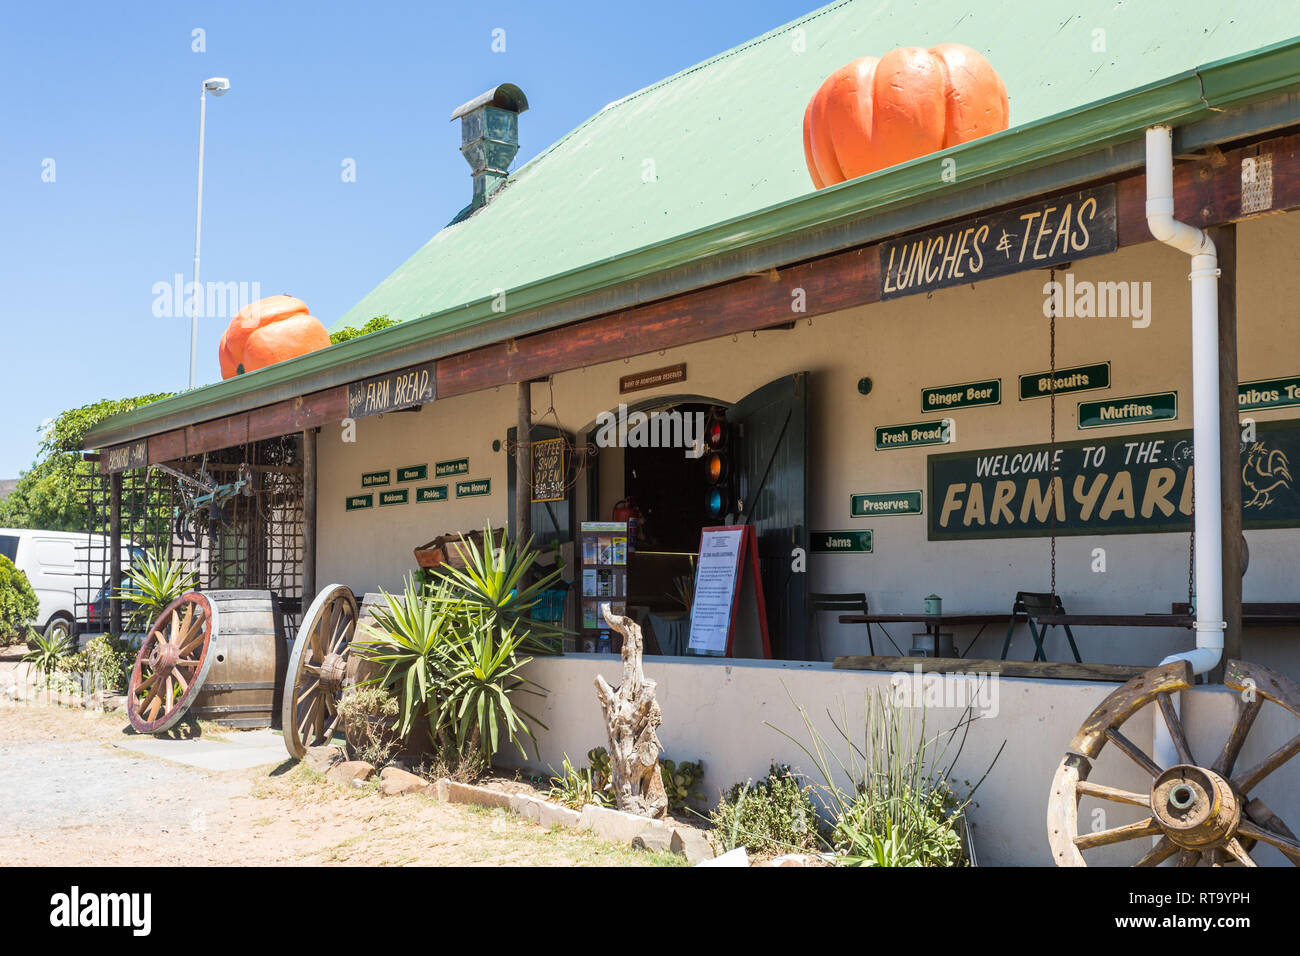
(250, 655)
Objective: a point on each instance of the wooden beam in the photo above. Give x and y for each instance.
(1044, 670)
(114, 604)
(1225, 241)
(309, 471)
(523, 455)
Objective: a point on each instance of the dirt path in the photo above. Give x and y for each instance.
(69, 797)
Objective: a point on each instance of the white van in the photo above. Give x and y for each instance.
(62, 566)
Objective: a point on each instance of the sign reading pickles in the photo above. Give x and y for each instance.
(1062, 229)
(1115, 485)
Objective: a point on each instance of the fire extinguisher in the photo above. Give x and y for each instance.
(625, 509)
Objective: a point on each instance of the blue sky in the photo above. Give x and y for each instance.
(109, 94)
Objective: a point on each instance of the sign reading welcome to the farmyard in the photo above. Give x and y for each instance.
(1113, 485)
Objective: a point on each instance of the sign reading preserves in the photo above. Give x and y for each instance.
(885, 503)
(1115, 485)
(392, 390)
(1044, 233)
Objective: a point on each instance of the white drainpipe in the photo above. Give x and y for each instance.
(1205, 414)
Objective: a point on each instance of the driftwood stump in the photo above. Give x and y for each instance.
(632, 718)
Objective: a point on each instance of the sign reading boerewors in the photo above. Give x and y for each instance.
(1118, 485)
(1045, 233)
(392, 391)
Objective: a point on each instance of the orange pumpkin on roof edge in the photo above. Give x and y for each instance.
(270, 330)
(877, 112)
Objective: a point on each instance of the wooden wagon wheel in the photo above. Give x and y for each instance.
(171, 664)
(1203, 812)
(317, 672)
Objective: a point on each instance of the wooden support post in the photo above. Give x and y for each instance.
(1225, 241)
(114, 552)
(523, 456)
(308, 516)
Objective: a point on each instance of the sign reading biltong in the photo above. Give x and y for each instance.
(356, 502)
(131, 455)
(1048, 232)
(1125, 484)
(392, 390)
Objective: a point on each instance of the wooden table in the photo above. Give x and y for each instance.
(1117, 620)
(933, 622)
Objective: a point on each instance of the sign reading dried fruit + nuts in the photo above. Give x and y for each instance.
(1052, 231)
(391, 391)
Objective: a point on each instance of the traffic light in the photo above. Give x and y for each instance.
(718, 471)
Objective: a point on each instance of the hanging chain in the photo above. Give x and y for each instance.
(1051, 461)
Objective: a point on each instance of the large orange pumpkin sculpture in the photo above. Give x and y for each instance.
(874, 113)
(268, 331)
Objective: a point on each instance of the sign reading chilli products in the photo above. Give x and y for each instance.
(1117, 485)
(1045, 233)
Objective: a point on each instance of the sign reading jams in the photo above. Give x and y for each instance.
(1115, 485)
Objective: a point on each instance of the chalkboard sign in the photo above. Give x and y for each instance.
(548, 470)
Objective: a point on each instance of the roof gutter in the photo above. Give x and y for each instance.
(1095, 140)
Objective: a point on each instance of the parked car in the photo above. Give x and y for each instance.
(61, 565)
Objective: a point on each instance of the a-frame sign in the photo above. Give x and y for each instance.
(729, 596)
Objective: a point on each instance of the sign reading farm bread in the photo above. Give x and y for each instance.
(878, 112)
(270, 330)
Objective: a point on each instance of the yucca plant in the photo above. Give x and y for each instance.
(479, 706)
(493, 587)
(410, 640)
(157, 581)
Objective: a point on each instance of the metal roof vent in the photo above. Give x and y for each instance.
(489, 139)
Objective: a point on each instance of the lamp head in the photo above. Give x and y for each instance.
(217, 85)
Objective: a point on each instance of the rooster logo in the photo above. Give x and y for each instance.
(1265, 471)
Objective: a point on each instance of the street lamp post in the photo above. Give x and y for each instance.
(217, 86)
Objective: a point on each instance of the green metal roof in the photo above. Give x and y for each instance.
(724, 137)
(577, 231)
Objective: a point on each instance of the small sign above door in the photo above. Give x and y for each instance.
(121, 457)
(637, 381)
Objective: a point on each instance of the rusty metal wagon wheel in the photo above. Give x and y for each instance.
(1202, 812)
(318, 669)
(171, 664)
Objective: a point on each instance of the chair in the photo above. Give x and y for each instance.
(851, 603)
(1032, 605)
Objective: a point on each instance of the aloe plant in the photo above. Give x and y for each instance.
(47, 653)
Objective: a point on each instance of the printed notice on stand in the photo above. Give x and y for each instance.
(715, 588)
